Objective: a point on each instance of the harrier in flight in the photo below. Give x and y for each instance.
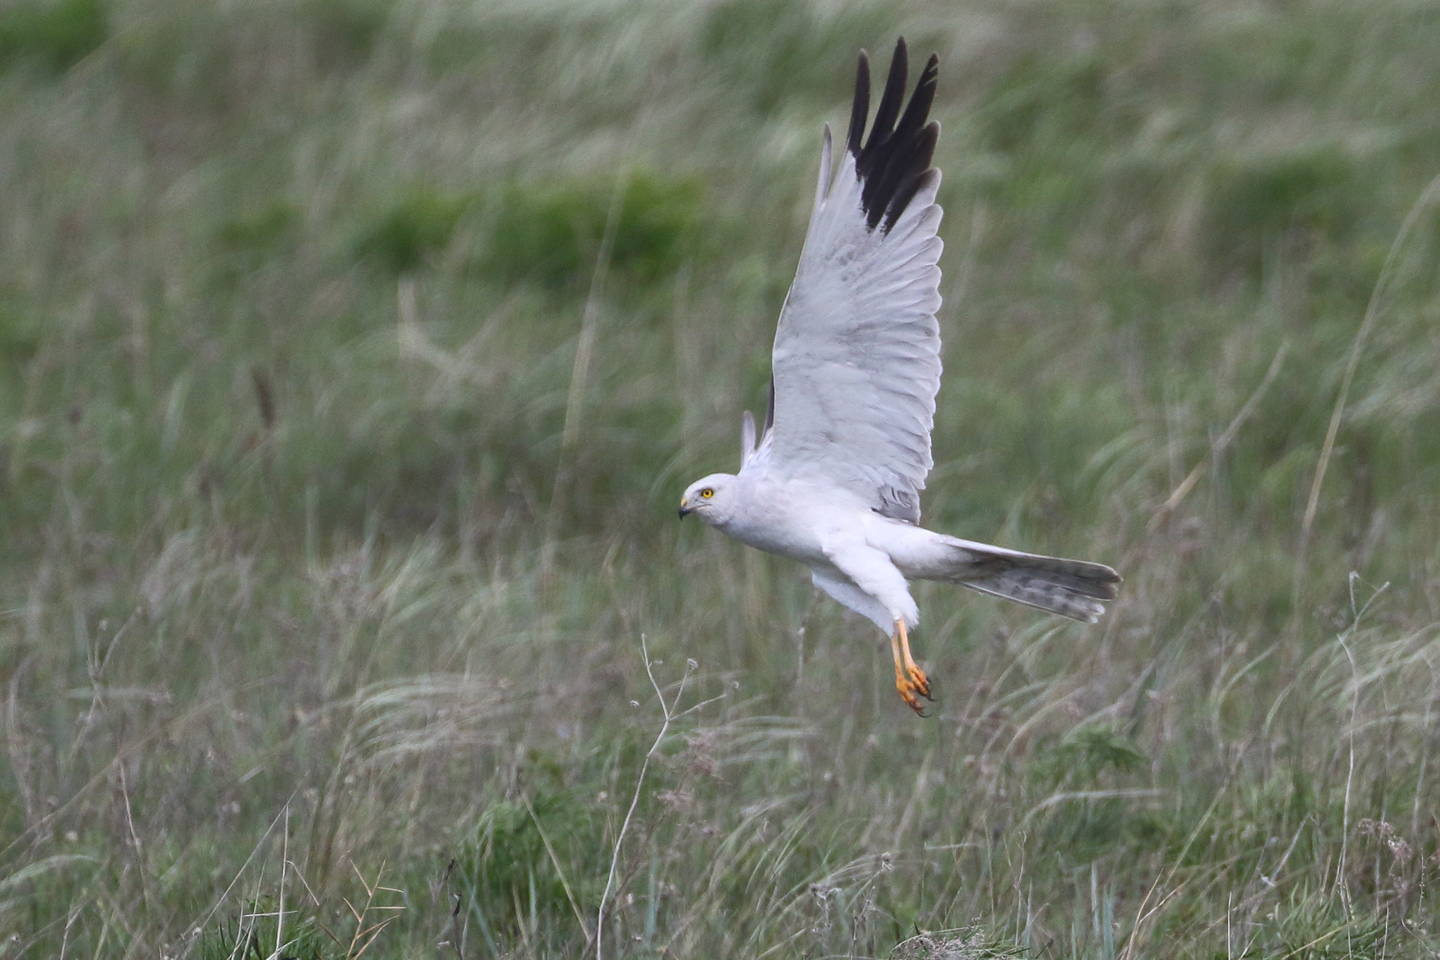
(834, 479)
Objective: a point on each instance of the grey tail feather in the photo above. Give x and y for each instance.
(1071, 588)
(1040, 590)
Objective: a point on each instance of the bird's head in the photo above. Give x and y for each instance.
(710, 498)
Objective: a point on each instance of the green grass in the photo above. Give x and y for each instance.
(352, 359)
(55, 35)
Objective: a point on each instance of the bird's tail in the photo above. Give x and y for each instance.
(1071, 588)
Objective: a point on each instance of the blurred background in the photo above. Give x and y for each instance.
(353, 356)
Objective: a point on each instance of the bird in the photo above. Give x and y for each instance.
(833, 478)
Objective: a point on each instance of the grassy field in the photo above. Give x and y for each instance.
(353, 358)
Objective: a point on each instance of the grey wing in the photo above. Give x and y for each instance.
(856, 359)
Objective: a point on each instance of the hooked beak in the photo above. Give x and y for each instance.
(685, 511)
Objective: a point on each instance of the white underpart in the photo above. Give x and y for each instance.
(864, 560)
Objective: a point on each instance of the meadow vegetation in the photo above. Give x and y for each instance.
(353, 356)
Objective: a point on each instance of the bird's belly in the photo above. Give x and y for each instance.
(787, 543)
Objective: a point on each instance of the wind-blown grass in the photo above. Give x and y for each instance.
(352, 357)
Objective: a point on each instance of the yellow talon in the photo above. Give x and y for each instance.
(910, 680)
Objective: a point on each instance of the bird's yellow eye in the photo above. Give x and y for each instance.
(707, 493)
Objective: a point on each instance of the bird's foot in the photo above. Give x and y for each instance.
(912, 688)
(910, 680)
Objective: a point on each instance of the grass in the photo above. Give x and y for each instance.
(352, 357)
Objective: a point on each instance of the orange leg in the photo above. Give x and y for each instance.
(910, 680)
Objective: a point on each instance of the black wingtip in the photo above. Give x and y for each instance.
(860, 108)
(893, 163)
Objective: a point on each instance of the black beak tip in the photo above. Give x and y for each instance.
(684, 513)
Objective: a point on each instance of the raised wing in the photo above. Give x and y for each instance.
(857, 351)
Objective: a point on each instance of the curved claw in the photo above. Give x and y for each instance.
(920, 681)
(908, 690)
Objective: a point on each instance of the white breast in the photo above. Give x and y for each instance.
(788, 517)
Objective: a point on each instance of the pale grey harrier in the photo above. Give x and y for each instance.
(835, 478)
